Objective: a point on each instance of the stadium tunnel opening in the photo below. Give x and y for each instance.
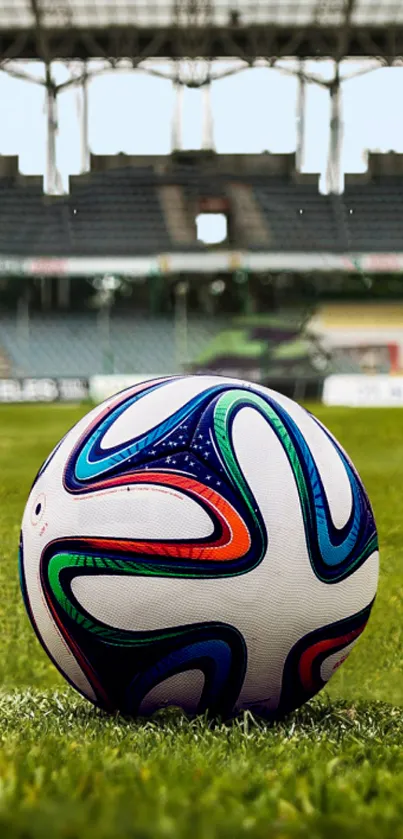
(213, 220)
(212, 228)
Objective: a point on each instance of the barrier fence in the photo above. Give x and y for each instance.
(342, 390)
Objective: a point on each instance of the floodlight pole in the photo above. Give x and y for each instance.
(208, 123)
(333, 175)
(301, 105)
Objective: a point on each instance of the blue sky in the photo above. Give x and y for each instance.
(254, 111)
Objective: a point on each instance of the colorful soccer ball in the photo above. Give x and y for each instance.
(198, 542)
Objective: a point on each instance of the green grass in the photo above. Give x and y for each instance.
(335, 768)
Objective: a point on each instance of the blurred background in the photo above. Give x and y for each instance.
(201, 186)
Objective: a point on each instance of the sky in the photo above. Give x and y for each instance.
(254, 111)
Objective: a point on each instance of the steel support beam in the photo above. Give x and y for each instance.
(334, 174)
(247, 43)
(52, 179)
(208, 121)
(176, 132)
(84, 125)
(301, 105)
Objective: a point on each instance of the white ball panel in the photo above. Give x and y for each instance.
(329, 464)
(332, 662)
(144, 512)
(154, 408)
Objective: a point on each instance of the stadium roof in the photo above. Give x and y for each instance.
(248, 29)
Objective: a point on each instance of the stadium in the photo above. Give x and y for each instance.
(212, 256)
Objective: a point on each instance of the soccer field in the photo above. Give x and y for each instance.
(333, 768)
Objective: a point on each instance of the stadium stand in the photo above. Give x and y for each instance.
(5, 365)
(133, 205)
(299, 217)
(117, 212)
(250, 225)
(374, 204)
(32, 224)
(75, 345)
(181, 229)
(137, 205)
(367, 205)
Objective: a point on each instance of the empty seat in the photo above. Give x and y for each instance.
(76, 345)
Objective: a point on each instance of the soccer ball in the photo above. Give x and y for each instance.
(198, 542)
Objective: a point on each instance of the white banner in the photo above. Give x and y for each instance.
(195, 262)
(364, 391)
(104, 386)
(44, 390)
